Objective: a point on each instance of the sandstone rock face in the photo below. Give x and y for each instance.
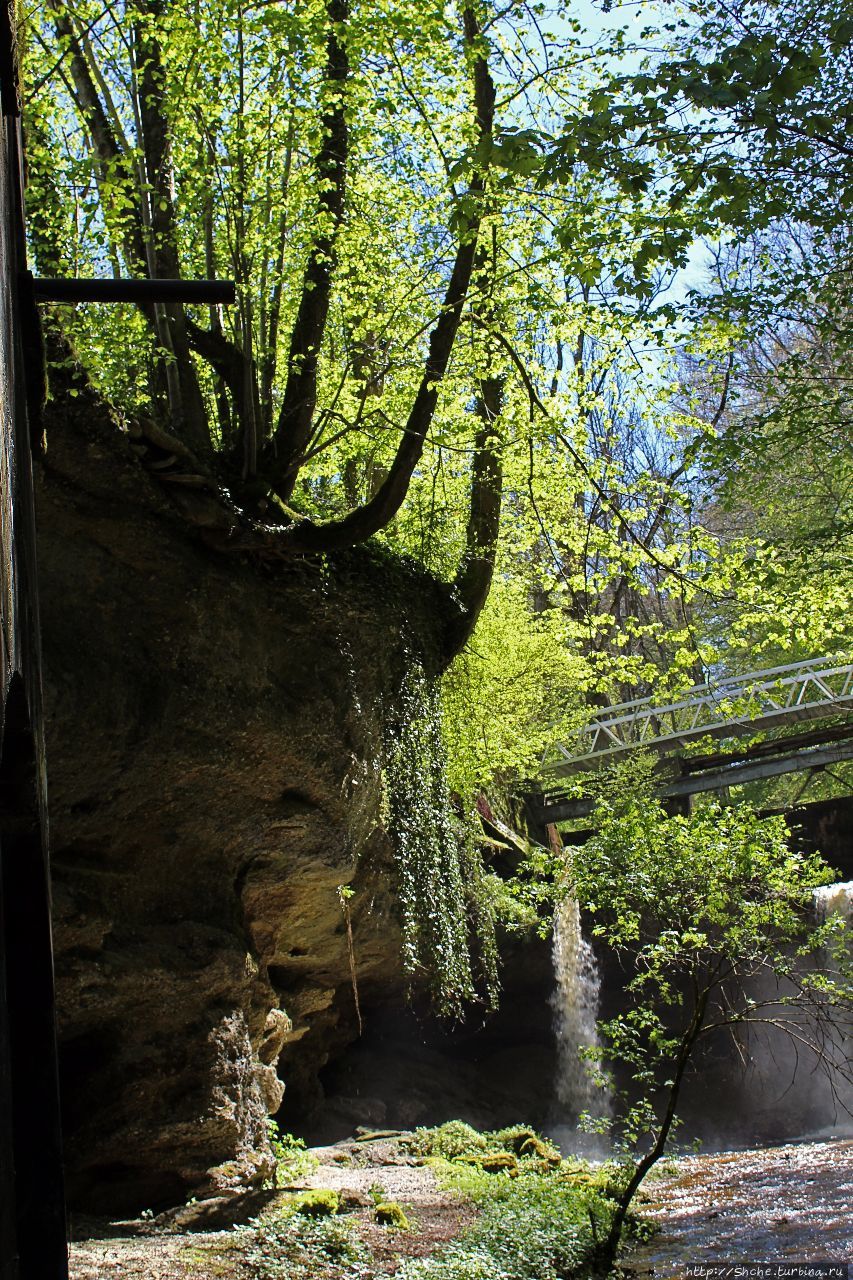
(214, 723)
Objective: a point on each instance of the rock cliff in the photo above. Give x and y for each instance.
(214, 720)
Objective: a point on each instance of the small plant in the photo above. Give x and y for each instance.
(346, 893)
(295, 1247)
(377, 1193)
(292, 1158)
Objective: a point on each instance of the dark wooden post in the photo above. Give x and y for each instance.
(32, 1203)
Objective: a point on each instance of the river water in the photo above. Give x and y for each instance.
(782, 1204)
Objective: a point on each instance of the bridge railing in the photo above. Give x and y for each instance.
(726, 708)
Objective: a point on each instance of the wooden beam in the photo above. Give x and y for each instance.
(208, 292)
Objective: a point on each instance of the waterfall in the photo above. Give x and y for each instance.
(791, 1090)
(575, 1005)
(835, 900)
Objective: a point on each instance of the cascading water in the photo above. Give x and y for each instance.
(575, 1004)
(835, 900)
(797, 1081)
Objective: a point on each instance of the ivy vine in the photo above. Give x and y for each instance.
(448, 919)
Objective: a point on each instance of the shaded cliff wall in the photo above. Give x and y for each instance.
(213, 727)
(492, 1069)
(32, 1208)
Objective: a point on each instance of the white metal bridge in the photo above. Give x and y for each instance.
(731, 708)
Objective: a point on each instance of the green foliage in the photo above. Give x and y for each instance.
(780, 467)
(512, 909)
(721, 882)
(451, 1140)
(533, 1227)
(293, 1160)
(746, 121)
(444, 904)
(517, 684)
(299, 1247)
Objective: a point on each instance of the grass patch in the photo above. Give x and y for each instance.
(211, 1259)
(541, 1218)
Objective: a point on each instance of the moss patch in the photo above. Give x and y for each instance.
(322, 1203)
(391, 1214)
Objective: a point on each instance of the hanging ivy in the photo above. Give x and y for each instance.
(447, 918)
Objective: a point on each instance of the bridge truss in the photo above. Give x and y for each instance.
(740, 707)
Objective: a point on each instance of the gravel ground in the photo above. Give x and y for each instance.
(164, 1250)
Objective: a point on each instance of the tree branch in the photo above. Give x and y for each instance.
(363, 522)
(112, 166)
(296, 417)
(473, 580)
(163, 258)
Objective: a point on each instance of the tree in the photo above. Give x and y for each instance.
(449, 333)
(743, 114)
(779, 468)
(712, 916)
(153, 99)
(412, 339)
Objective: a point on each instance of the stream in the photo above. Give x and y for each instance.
(787, 1204)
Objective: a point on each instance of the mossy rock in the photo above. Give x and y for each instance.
(321, 1203)
(391, 1214)
(498, 1162)
(514, 1138)
(526, 1142)
(535, 1147)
